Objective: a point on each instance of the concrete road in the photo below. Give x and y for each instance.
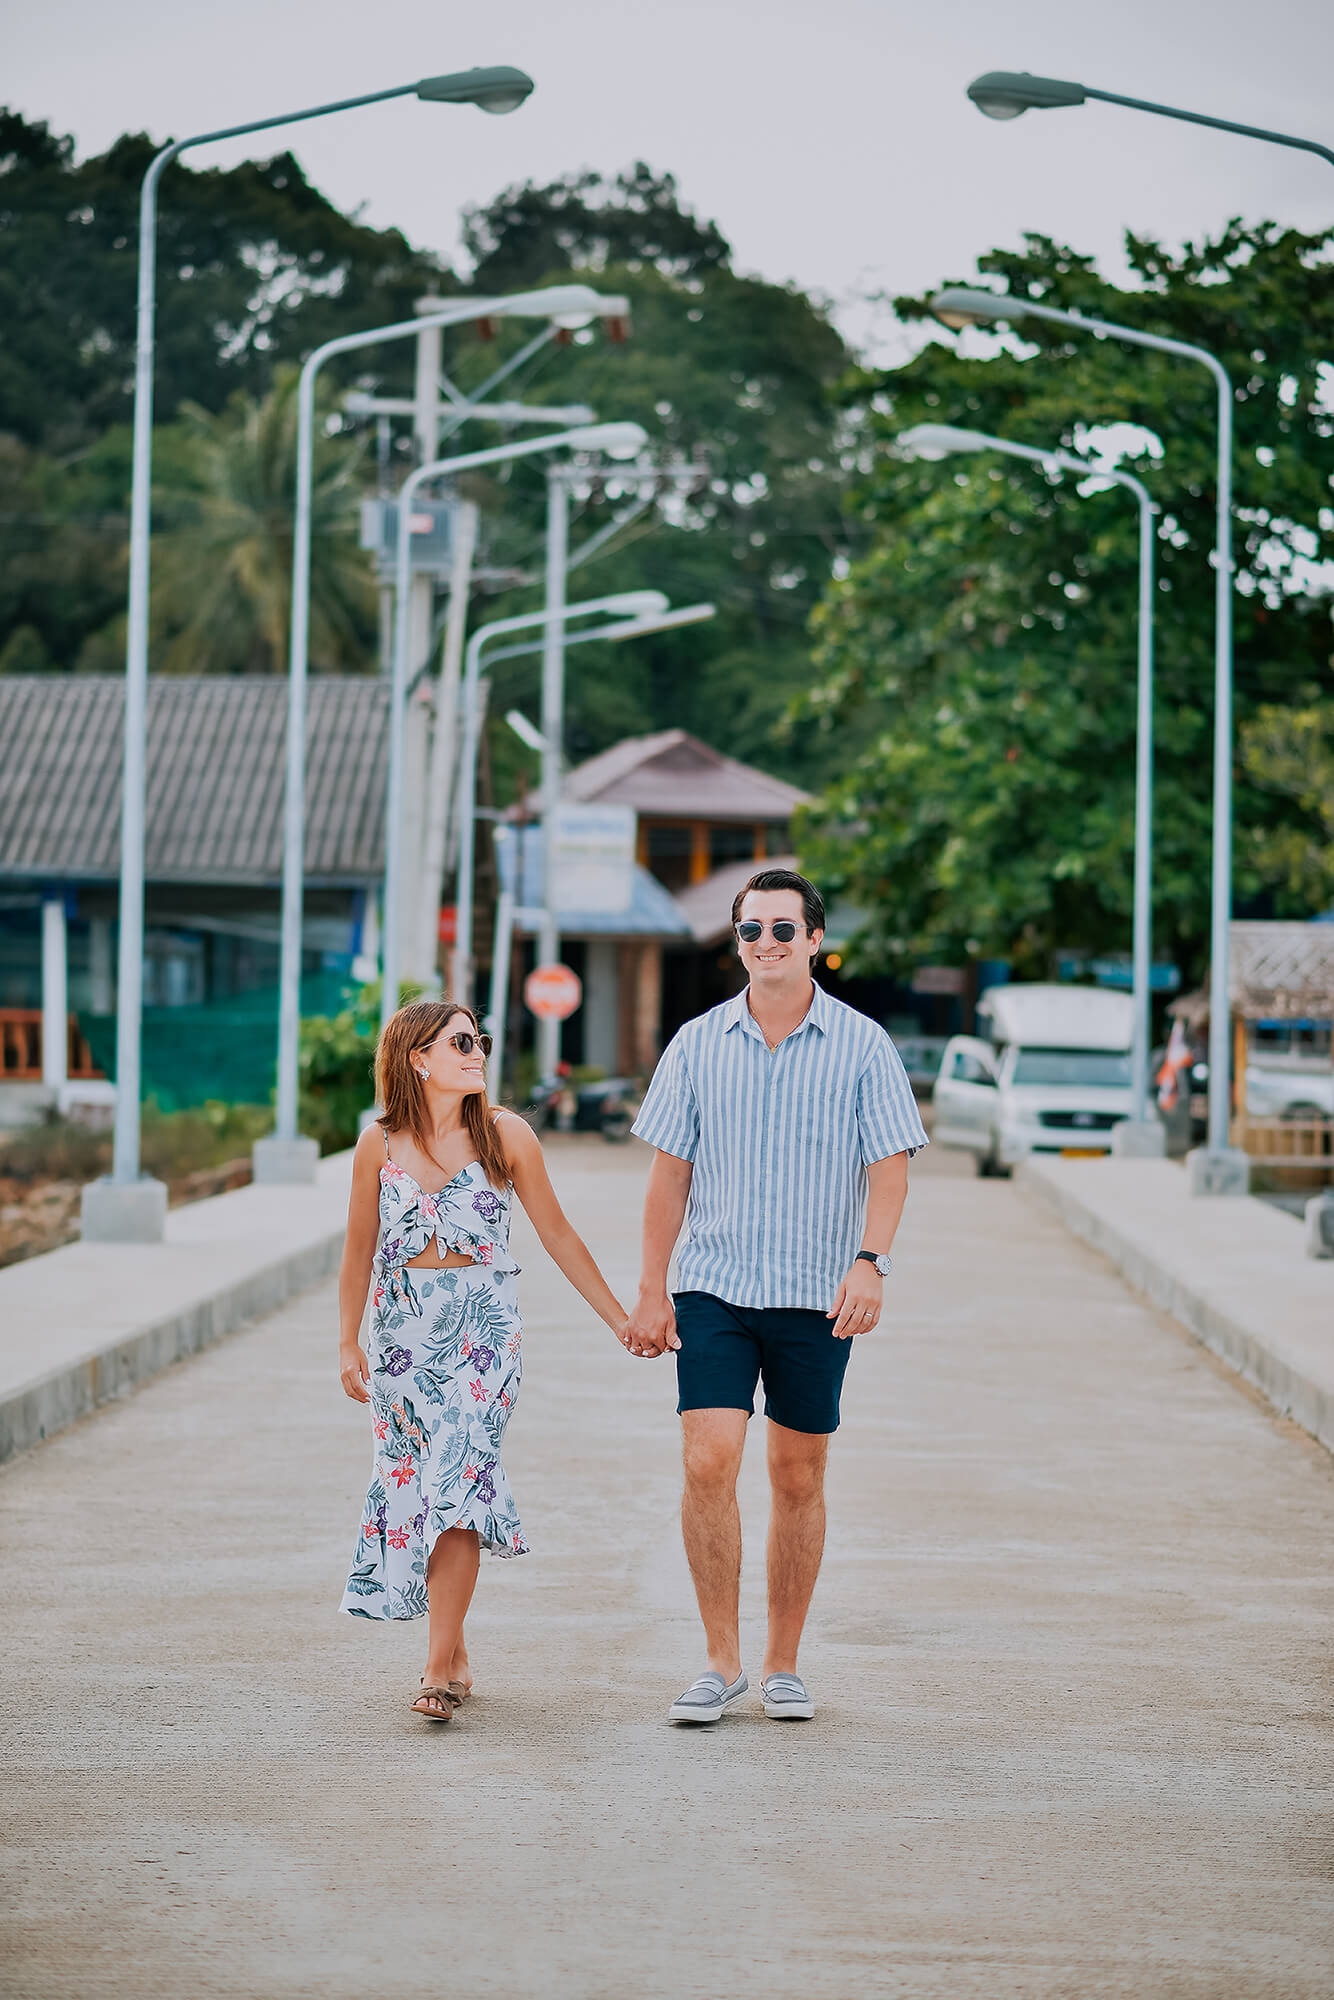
(1071, 1653)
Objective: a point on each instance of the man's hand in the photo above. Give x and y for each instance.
(857, 1307)
(651, 1327)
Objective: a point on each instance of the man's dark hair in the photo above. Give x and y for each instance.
(812, 902)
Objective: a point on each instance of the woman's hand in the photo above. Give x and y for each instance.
(355, 1372)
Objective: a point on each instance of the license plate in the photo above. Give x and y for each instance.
(1083, 1152)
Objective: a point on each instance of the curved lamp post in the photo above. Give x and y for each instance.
(624, 439)
(285, 1156)
(1140, 1134)
(631, 604)
(1004, 93)
(125, 1208)
(1217, 1167)
(649, 615)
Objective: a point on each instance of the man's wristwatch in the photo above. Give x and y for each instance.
(882, 1264)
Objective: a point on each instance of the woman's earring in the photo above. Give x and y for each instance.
(423, 1074)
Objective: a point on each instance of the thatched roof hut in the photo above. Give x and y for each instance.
(1278, 972)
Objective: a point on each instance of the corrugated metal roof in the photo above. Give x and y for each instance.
(216, 749)
(674, 776)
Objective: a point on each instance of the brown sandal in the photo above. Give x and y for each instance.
(459, 1692)
(443, 1695)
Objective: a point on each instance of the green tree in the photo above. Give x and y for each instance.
(223, 561)
(984, 646)
(585, 222)
(730, 376)
(1288, 755)
(255, 267)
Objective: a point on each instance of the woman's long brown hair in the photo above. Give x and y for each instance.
(400, 1089)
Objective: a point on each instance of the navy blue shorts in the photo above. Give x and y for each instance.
(726, 1349)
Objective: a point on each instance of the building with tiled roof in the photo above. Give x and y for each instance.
(213, 857)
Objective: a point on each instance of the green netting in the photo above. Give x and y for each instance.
(227, 1050)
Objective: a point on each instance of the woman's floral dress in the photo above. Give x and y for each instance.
(446, 1360)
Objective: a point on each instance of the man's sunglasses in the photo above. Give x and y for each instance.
(464, 1042)
(783, 931)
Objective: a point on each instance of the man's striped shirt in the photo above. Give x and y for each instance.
(780, 1145)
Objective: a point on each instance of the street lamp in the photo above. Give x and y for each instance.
(1004, 93)
(126, 1208)
(285, 1156)
(633, 604)
(1216, 1167)
(616, 438)
(1139, 1134)
(647, 617)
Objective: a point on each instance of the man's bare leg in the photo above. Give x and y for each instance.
(796, 1539)
(712, 1444)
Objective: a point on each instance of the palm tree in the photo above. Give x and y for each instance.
(222, 565)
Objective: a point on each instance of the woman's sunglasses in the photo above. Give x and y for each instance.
(783, 931)
(464, 1042)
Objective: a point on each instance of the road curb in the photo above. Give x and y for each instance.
(1264, 1340)
(219, 1275)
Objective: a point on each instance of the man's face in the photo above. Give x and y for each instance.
(770, 960)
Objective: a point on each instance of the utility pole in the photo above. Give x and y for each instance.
(424, 945)
(553, 729)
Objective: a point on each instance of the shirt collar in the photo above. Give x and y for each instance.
(739, 1014)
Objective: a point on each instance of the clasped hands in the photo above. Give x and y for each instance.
(651, 1327)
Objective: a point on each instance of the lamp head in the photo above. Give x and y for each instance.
(617, 440)
(938, 441)
(665, 621)
(966, 305)
(524, 729)
(1004, 93)
(495, 90)
(636, 604)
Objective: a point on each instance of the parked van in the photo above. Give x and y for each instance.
(1049, 1073)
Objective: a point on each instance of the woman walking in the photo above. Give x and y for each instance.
(428, 1220)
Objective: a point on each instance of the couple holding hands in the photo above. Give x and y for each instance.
(782, 1124)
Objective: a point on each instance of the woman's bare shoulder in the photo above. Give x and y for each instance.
(516, 1135)
(371, 1145)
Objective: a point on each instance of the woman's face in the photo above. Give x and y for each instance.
(449, 1067)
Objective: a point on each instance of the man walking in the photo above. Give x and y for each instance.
(783, 1122)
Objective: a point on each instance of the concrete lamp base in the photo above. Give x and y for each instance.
(123, 1211)
(1139, 1139)
(1320, 1225)
(1225, 1172)
(284, 1162)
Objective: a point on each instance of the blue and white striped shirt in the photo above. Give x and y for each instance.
(780, 1145)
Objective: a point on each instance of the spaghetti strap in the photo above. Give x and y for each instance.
(385, 1136)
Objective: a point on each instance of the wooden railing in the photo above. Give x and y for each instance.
(21, 1048)
(1298, 1149)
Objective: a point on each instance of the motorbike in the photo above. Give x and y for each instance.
(607, 1107)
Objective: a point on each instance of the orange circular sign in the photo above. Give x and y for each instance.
(552, 992)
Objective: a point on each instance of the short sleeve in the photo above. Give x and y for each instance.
(669, 1116)
(888, 1120)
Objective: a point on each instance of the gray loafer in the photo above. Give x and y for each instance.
(706, 1699)
(786, 1699)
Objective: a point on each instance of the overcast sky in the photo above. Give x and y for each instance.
(830, 139)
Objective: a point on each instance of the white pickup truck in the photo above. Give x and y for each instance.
(1050, 1074)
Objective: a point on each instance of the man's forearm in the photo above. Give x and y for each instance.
(664, 1212)
(886, 1192)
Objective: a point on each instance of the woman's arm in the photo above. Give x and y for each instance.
(653, 1320)
(354, 1273)
(562, 1243)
